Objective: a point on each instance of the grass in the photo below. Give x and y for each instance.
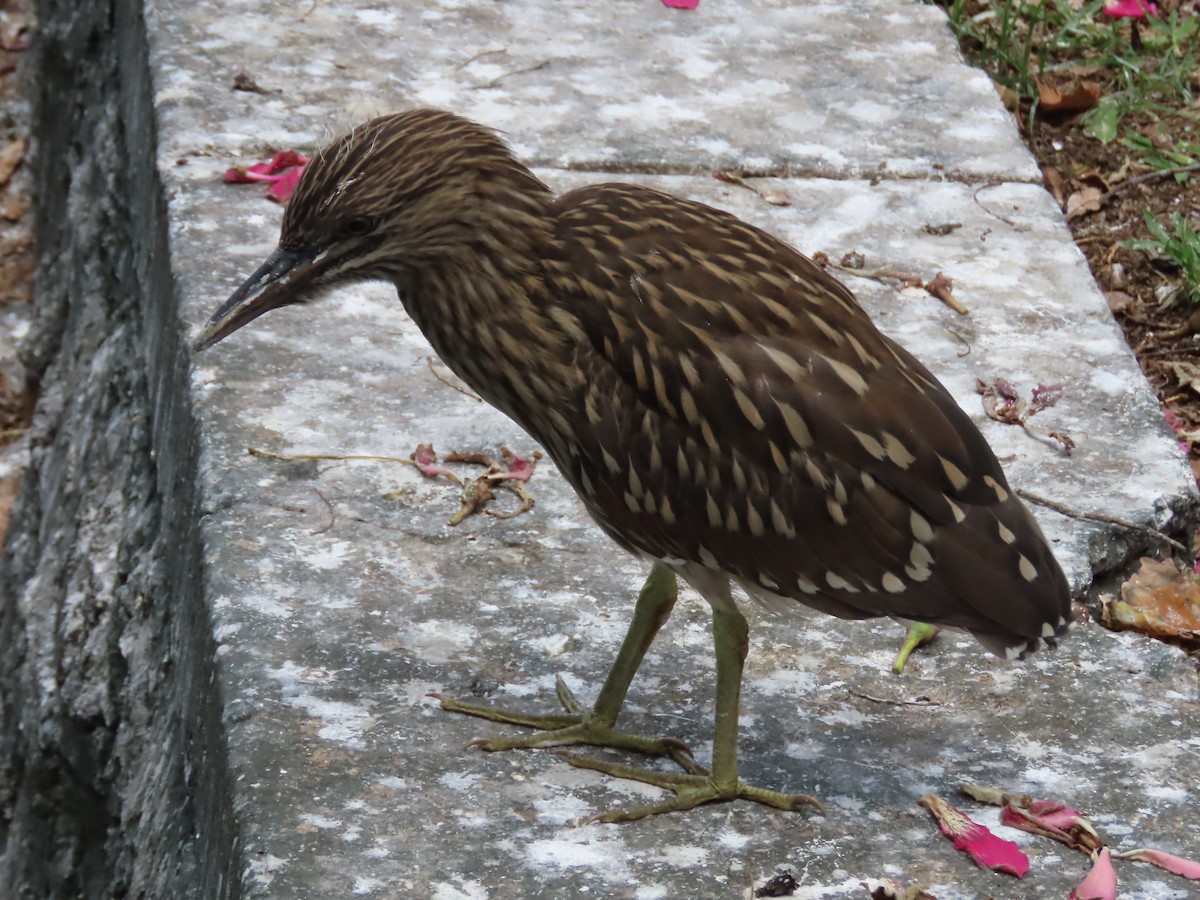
(1143, 67)
(1135, 75)
(1182, 248)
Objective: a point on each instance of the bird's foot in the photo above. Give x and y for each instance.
(692, 789)
(575, 726)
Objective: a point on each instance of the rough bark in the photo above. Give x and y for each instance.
(112, 776)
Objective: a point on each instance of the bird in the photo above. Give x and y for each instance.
(723, 407)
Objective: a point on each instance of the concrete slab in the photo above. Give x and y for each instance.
(340, 596)
(824, 88)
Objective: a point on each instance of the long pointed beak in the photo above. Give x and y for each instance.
(281, 280)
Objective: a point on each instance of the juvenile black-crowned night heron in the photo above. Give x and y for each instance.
(722, 406)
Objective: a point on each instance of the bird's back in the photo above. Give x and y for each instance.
(739, 410)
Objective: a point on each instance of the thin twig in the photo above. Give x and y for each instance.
(338, 457)
(332, 514)
(959, 336)
(1148, 176)
(479, 56)
(1101, 517)
(879, 273)
(920, 701)
(438, 375)
(991, 212)
(495, 81)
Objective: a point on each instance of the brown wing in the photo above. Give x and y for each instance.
(743, 412)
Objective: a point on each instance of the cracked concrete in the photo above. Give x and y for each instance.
(338, 597)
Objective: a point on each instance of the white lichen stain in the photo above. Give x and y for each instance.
(316, 820)
(262, 867)
(790, 682)
(561, 808)
(439, 640)
(683, 856)
(845, 715)
(550, 646)
(340, 721)
(458, 781)
(1170, 794)
(592, 847)
(461, 889)
(364, 884)
(329, 557)
(733, 840)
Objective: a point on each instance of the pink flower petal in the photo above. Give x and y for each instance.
(1100, 883)
(286, 159)
(238, 175)
(681, 4)
(1174, 864)
(1051, 819)
(426, 461)
(1130, 9)
(281, 171)
(519, 468)
(985, 848)
(285, 184)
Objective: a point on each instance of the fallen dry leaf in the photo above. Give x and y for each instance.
(1187, 374)
(1159, 600)
(1069, 96)
(1052, 180)
(1118, 301)
(11, 157)
(1083, 201)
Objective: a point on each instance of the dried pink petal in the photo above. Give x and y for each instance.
(1174, 864)
(1130, 9)
(282, 172)
(425, 459)
(1101, 882)
(285, 185)
(519, 468)
(1044, 396)
(1051, 819)
(985, 848)
(681, 4)
(1005, 389)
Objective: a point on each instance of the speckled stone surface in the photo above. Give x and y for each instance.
(624, 85)
(340, 596)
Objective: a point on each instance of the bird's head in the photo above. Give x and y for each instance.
(397, 195)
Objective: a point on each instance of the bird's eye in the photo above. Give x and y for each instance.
(358, 226)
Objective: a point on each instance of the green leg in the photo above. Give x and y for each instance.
(596, 727)
(730, 639)
(919, 634)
